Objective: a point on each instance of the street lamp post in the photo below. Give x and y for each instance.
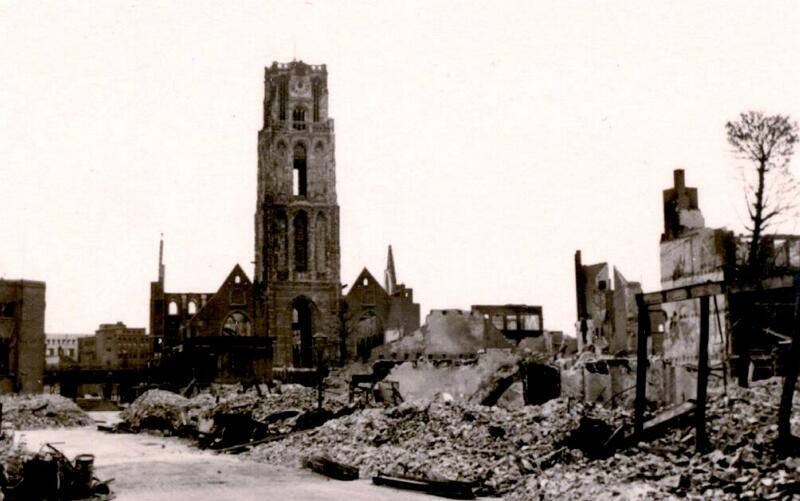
(320, 340)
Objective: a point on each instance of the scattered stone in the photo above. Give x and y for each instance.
(44, 410)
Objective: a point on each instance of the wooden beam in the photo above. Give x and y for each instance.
(701, 438)
(640, 404)
(779, 282)
(714, 288)
(786, 440)
(683, 293)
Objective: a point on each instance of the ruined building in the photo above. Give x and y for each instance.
(446, 335)
(297, 285)
(606, 311)
(758, 323)
(375, 315)
(691, 254)
(515, 321)
(209, 336)
(22, 304)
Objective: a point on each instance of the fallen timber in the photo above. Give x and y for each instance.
(453, 489)
(330, 468)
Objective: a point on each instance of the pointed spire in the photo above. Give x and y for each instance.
(161, 260)
(390, 277)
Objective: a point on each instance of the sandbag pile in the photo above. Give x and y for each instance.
(740, 463)
(26, 412)
(457, 441)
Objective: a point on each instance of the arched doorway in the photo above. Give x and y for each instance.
(302, 329)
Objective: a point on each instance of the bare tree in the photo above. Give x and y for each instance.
(770, 191)
(768, 143)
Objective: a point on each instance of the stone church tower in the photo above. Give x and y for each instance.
(297, 216)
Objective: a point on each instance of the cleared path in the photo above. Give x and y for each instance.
(147, 468)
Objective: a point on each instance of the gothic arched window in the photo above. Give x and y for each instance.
(299, 171)
(237, 324)
(300, 226)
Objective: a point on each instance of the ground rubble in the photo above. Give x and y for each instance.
(519, 453)
(526, 453)
(439, 439)
(31, 411)
(740, 463)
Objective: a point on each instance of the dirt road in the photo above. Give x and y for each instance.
(147, 468)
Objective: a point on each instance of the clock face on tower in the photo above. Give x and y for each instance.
(301, 87)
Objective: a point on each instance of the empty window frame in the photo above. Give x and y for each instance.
(299, 171)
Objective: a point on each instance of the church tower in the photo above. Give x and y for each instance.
(297, 216)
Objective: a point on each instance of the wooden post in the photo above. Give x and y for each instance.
(785, 442)
(641, 364)
(701, 439)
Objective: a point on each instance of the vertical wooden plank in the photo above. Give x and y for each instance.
(701, 439)
(640, 403)
(786, 441)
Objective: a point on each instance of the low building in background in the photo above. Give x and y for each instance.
(116, 346)
(62, 350)
(22, 304)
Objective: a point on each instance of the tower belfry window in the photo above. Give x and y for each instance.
(299, 171)
(299, 119)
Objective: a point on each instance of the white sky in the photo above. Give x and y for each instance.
(485, 141)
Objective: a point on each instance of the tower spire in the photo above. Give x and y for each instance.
(390, 277)
(161, 259)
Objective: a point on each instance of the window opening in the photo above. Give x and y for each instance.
(299, 171)
(236, 324)
(511, 322)
(302, 339)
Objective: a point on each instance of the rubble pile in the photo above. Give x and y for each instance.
(232, 399)
(158, 410)
(740, 463)
(26, 412)
(171, 414)
(434, 438)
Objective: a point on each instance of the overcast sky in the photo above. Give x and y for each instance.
(485, 141)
